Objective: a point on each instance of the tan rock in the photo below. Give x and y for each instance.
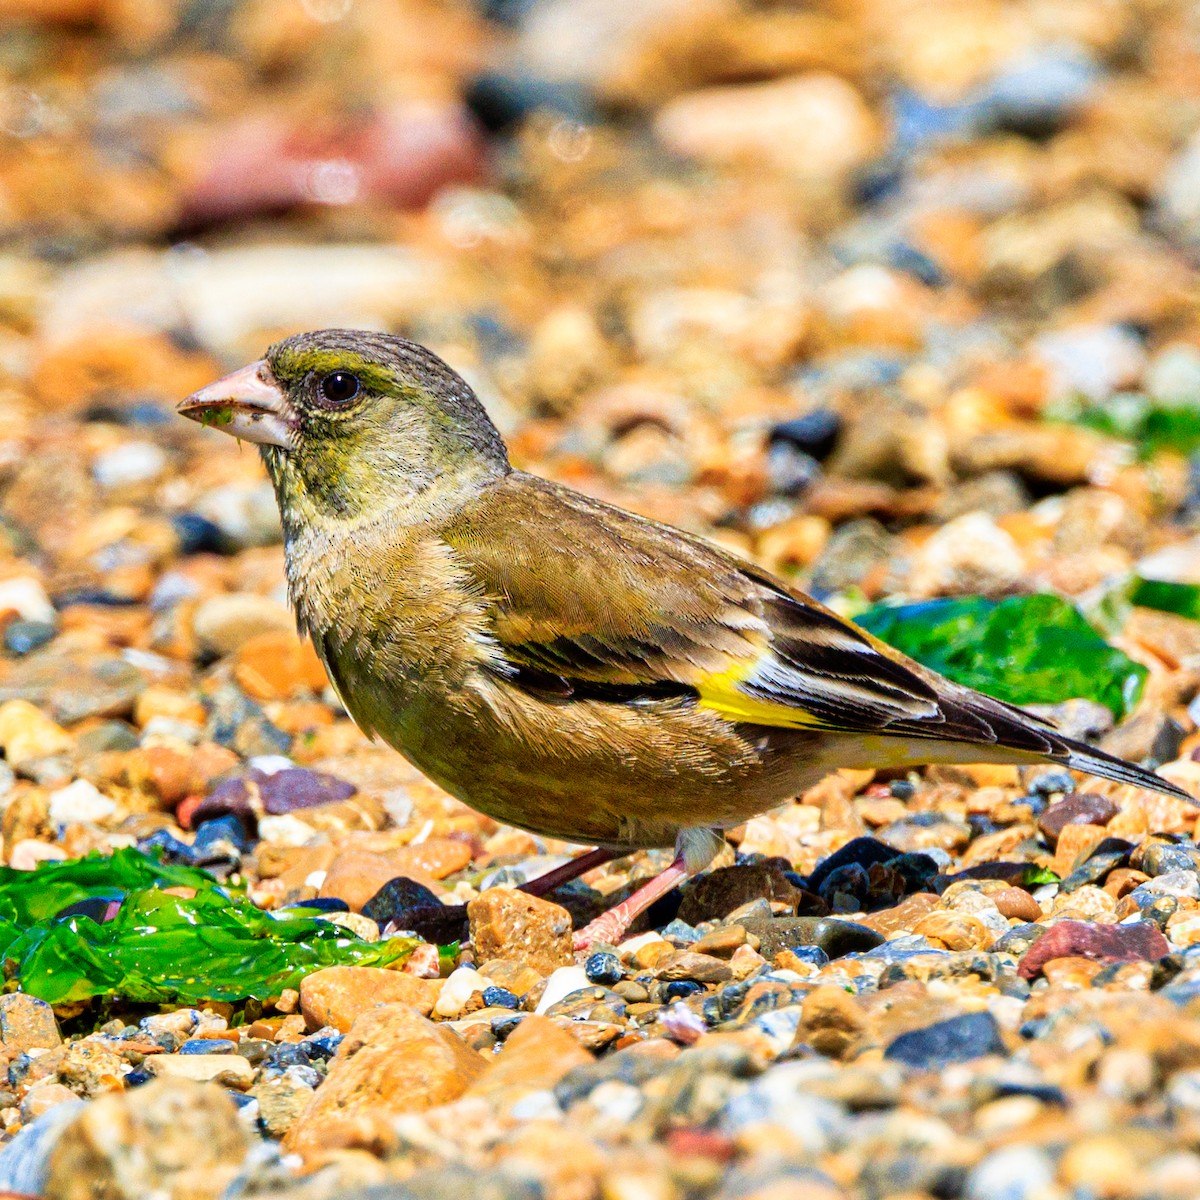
(687, 964)
(955, 930)
(91, 1069)
(518, 978)
(225, 623)
(392, 1061)
(27, 734)
(832, 1021)
(509, 924)
(338, 996)
(173, 1137)
(27, 1023)
(1075, 843)
(229, 1070)
(814, 125)
(535, 1057)
(1016, 904)
(43, 1097)
(901, 917)
(280, 1103)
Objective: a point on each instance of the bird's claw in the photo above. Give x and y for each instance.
(605, 928)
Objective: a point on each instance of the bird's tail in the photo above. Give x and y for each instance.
(1011, 727)
(1107, 766)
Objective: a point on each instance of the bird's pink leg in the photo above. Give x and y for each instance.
(611, 926)
(580, 865)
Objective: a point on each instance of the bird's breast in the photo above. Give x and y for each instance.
(391, 615)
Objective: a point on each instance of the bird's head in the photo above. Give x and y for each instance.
(350, 422)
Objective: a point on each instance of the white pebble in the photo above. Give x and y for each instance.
(459, 987)
(270, 764)
(628, 948)
(536, 1106)
(27, 598)
(80, 801)
(563, 983)
(131, 462)
(28, 852)
(286, 830)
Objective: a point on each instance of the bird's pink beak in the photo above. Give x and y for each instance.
(249, 404)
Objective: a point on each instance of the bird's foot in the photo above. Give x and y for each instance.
(612, 926)
(607, 928)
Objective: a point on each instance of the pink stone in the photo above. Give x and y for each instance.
(1140, 942)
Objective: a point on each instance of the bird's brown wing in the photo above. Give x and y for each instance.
(584, 597)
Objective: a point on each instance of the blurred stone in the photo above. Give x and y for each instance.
(172, 1133)
(224, 624)
(392, 1061)
(813, 126)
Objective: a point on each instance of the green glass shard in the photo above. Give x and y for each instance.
(1022, 649)
(161, 947)
(1035, 876)
(1182, 599)
(1151, 424)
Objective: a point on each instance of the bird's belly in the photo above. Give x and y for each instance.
(610, 774)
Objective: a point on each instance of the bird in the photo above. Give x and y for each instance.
(555, 662)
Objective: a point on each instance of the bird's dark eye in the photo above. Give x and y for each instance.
(339, 387)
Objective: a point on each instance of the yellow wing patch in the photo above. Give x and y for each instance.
(722, 693)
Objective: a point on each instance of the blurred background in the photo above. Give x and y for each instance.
(896, 296)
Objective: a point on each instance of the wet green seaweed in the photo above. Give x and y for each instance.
(161, 946)
(1023, 649)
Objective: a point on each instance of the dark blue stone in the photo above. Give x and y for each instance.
(23, 637)
(318, 904)
(1049, 782)
(95, 908)
(815, 433)
(811, 954)
(199, 535)
(849, 880)
(323, 1045)
(502, 101)
(169, 846)
(504, 1025)
(680, 989)
(208, 1046)
(216, 834)
(960, 1039)
(790, 470)
(604, 968)
(137, 1077)
(498, 997)
(865, 852)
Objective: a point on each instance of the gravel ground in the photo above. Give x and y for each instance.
(897, 299)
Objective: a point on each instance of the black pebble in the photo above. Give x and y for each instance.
(199, 535)
(604, 968)
(396, 897)
(815, 433)
(498, 997)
